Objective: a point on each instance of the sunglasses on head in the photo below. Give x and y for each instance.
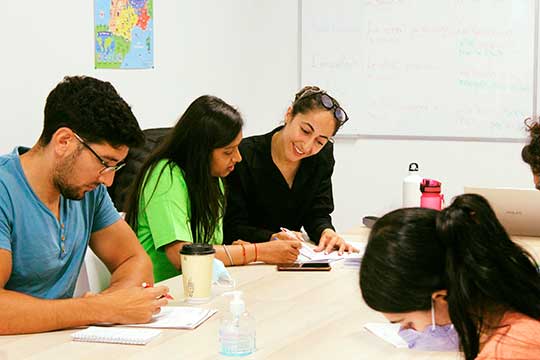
(328, 102)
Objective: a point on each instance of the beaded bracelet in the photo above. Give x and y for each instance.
(228, 254)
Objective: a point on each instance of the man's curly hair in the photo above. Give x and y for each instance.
(93, 109)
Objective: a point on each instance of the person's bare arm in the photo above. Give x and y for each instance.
(271, 252)
(172, 251)
(21, 313)
(117, 246)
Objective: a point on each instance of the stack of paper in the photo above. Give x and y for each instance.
(307, 254)
(353, 261)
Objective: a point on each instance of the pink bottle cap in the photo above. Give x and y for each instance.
(430, 186)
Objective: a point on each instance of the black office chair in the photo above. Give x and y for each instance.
(134, 160)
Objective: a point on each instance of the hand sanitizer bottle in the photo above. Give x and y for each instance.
(237, 329)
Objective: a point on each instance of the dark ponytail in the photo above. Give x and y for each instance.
(487, 273)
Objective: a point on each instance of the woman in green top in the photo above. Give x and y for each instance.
(178, 196)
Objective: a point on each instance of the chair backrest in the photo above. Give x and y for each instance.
(134, 160)
(94, 275)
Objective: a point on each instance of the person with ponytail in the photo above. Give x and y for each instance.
(178, 197)
(454, 275)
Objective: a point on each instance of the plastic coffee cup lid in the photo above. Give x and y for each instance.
(197, 249)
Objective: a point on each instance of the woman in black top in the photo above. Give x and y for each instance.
(284, 180)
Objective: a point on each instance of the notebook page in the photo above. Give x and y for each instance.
(178, 317)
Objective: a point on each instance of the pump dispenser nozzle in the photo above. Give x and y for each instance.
(237, 305)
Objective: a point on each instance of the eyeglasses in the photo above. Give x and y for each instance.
(328, 102)
(106, 168)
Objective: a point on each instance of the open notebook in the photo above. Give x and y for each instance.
(170, 317)
(178, 317)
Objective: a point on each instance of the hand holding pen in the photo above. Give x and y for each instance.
(166, 296)
(288, 235)
(128, 305)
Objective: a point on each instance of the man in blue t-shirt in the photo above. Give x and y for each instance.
(53, 204)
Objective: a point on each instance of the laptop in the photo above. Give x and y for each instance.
(518, 210)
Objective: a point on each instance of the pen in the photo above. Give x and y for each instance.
(289, 232)
(167, 296)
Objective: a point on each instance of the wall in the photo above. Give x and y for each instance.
(244, 51)
(370, 171)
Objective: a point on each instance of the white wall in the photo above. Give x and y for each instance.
(370, 172)
(244, 51)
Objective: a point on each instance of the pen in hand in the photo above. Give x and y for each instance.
(166, 296)
(293, 234)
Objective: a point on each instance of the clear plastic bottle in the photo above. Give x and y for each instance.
(411, 187)
(237, 329)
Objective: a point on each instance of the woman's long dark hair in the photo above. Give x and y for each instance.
(208, 123)
(464, 249)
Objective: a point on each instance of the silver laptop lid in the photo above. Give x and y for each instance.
(518, 210)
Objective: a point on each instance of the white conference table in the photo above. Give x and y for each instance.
(299, 315)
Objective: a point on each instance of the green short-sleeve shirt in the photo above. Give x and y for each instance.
(164, 216)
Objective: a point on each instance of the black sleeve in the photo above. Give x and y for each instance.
(236, 222)
(318, 216)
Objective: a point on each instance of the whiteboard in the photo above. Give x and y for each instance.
(461, 68)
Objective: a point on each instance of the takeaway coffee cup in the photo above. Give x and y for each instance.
(197, 263)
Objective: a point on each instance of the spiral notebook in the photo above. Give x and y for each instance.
(115, 335)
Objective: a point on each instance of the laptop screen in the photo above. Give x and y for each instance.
(518, 210)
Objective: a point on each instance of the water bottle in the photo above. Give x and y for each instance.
(411, 187)
(237, 329)
(431, 194)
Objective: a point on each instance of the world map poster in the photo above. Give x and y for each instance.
(124, 36)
